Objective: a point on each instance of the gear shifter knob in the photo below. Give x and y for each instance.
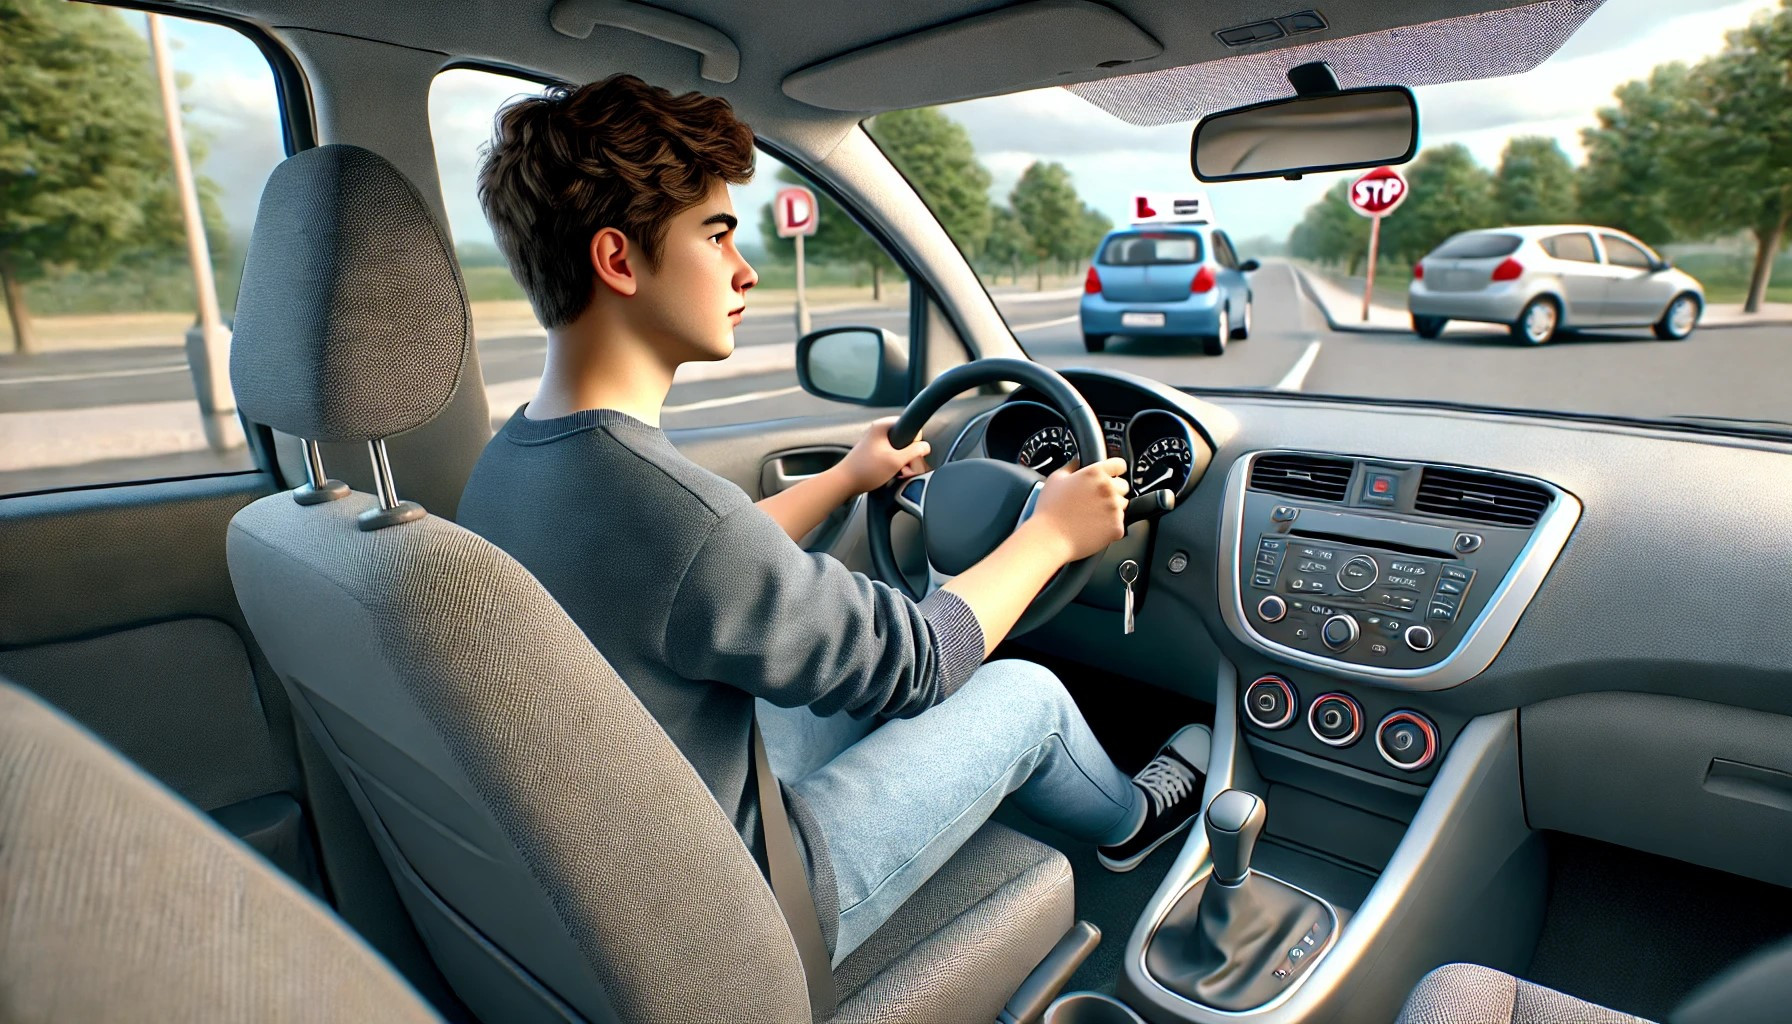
(1234, 821)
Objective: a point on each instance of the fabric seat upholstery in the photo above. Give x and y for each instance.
(560, 857)
(121, 902)
(1471, 994)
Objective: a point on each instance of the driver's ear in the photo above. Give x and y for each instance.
(610, 254)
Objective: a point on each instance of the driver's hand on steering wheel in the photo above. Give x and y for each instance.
(874, 461)
(1085, 509)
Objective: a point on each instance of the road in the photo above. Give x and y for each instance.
(1732, 372)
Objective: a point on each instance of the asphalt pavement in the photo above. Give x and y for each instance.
(48, 403)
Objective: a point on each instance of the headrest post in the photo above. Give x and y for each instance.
(391, 511)
(382, 474)
(318, 487)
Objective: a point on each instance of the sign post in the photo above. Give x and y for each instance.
(796, 215)
(1375, 195)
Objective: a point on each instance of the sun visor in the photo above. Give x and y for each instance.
(1025, 46)
(1484, 45)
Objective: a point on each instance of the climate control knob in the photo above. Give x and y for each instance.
(1339, 632)
(1335, 719)
(1420, 638)
(1270, 702)
(1407, 740)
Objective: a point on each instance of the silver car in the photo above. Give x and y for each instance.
(1542, 279)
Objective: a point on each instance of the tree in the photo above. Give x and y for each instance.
(1091, 226)
(84, 168)
(1049, 210)
(1450, 193)
(1008, 244)
(837, 238)
(1535, 183)
(1628, 180)
(935, 154)
(1332, 232)
(1703, 151)
(1737, 171)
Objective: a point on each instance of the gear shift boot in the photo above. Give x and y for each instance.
(1237, 947)
(1237, 938)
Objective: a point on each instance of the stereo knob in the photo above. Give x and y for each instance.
(1420, 638)
(1270, 702)
(1339, 632)
(1271, 609)
(1407, 740)
(1358, 574)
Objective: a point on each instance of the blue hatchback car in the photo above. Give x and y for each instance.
(1167, 280)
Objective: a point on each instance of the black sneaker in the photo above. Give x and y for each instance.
(1172, 784)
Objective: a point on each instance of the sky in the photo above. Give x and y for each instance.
(231, 104)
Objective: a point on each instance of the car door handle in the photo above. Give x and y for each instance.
(786, 469)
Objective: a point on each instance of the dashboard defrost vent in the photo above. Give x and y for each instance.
(1482, 498)
(1304, 476)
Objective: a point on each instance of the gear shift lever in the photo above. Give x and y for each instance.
(1236, 939)
(1234, 821)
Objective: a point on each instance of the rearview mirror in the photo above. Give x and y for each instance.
(1331, 131)
(862, 365)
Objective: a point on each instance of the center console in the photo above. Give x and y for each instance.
(1359, 829)
(1396, 573)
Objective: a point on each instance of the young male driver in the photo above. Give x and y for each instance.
(611, 204)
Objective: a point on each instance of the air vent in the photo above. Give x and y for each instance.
(1304, 476)
(1482, 498)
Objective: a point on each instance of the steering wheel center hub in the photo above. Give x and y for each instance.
(972, 506)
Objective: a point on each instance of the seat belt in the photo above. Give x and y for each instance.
(790, 884)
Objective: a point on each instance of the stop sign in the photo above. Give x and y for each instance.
(1376, 193)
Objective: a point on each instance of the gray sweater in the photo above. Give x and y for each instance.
(701, 602)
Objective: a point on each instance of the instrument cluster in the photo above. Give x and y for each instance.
(1156, 444)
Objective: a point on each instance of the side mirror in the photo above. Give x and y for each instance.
(1662, 263)
(1249, 265)
(1306, 134)
(862, 365)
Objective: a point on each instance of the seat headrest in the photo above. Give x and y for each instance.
(351, 323)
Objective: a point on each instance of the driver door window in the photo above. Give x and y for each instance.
(848, 279)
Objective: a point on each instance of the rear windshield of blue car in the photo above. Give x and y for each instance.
(1477, 247)
(1151, 248)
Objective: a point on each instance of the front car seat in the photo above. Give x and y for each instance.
(1756, 991)
(559, 856)
(121, 902)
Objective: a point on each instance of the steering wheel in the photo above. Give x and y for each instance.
(968, 507)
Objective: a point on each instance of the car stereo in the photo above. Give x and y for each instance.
(1400, 573)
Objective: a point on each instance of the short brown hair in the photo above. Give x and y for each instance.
(617, 153)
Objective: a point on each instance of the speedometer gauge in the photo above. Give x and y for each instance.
(1164, 464)
(1048, 450)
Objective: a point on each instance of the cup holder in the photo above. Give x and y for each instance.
(1089, 1008)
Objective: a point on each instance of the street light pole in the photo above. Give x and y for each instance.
(208, 345)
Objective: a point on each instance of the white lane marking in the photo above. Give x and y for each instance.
(57, 378)
(1071, 319)
(1297, 374)
(717, 403)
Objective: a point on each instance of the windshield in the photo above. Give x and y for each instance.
(1667, 126)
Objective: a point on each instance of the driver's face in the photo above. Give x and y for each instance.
(697, 296)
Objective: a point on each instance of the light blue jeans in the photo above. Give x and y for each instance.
(896, 800)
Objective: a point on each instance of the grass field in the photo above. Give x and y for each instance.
(71, 323)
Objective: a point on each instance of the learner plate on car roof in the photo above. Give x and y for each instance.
(1171, 208)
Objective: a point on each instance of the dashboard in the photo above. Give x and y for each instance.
(1601, 573)
(1359, 584)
